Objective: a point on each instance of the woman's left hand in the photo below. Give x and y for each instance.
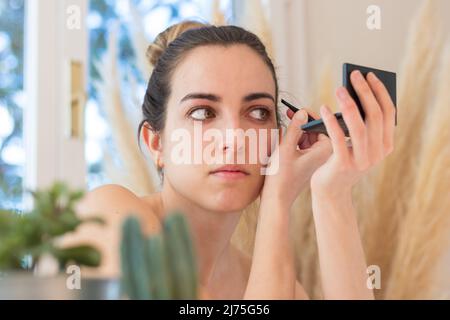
(372, 140)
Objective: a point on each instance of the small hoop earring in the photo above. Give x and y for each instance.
(159, 163)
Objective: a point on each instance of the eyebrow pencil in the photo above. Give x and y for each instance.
(294, 109)
(314, 125)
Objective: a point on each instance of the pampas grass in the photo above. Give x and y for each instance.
(217, 16)
(254, 18)
(398, 173)
(395, 200)
(324, 87)
(305, 245)
(136, 175)
(244, 235)
(423, 234)
(139, 41)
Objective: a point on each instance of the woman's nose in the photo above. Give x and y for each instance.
(233, 134)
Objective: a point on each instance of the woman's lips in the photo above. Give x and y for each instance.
(232, 175)
(230, 172)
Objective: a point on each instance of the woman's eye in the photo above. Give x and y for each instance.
(260, 113)
(201, 114)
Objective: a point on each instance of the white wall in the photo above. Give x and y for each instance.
(336, 30)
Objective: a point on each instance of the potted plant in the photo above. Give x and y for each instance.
(29, 240)
(161, 266)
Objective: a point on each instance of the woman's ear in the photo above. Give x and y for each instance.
(154, 143)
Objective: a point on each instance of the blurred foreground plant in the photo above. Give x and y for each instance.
(34, 234)
(161, 266)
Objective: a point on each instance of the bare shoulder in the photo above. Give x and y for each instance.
(109, 197)
(112, 200)
(113, 203)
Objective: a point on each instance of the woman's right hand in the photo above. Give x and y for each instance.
(294, 161)
(299, 155)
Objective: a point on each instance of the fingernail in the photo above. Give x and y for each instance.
(373, 75)
(302, 115)
(359, 75)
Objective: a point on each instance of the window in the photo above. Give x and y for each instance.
(12, 155)
(132, 24)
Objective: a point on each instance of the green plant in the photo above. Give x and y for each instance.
(34, 233)
(161, 266)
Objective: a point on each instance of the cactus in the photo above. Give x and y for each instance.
(161, 266)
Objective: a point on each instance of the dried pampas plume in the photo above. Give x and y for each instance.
(423, 233)
(139, 41)
(402, 206)
(136, 174)
(305, 245)
(393, 185)
(254, 18)
(217, 16)
(324, 88)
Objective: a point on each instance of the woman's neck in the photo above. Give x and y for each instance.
(211, 231)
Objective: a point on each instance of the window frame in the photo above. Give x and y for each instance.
(50, 47)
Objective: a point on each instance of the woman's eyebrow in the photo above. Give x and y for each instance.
(216, 98)
(207, 96)
(258, 95)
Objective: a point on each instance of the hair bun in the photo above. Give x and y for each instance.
(162, 41)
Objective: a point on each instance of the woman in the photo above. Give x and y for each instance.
(222, 78)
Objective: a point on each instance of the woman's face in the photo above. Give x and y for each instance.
(216, 89)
